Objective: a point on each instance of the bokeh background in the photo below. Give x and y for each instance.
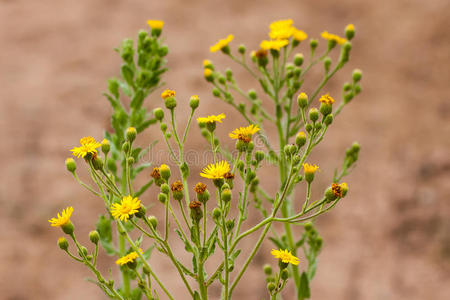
(389, 238)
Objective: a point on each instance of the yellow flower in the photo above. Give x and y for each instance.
(339, 190)
(310, 169)
(206, 62)
(130, 257)
(281, 33)
(221, 43)
(244, 133)
(299, 35)
(88, 145)
(216, 171)
(126, 208)
(350, 27)
(281, 24)
(155, 24)
(273, 44)
(333, 37)
(167, 93)
(207, 72)
(62, 219)
(327, 99)
(285, 256)
(211, 119)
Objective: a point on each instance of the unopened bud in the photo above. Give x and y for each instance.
(349, 31)
(300, 139)
(94, 236)
(158, 113)
(71, 165)
(194, 102)
(313, 114)
(105, 146)
(63, 243)
(298, 59)
(302, 100)
(153, 221)
(131, 134)
(226, 195)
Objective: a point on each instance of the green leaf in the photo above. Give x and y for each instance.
(144, 188)
(137, 100)
(104, 229)
(145, 125)
(136, 294)
(303, 289)
(128, 74)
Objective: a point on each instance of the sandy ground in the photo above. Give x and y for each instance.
(390, 238)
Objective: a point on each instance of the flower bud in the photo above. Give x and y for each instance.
(327, 64)
(325, 108)
(216, 92)
(63, 243)
(317, 126)
(208, 74)
(83, 251)
(313, 44)
(328, 120)
(163, 127)
(226, 195)
(162, 197)
(170, 102)
(71, 165)
(284, 274)
(217, 214)
(158, 113)
(298, 59)
(302, 100)
(310, 170)
(259, 156)
(267, 269)
(357, 75)
(242, 49)
(177, 190)
(308, 128)
(131, 134)
(313, 114)
(357, 89)
(207, 64)
(300, 139)
(164, 170)
(347, 86)
(196, 211)
(126, 147)
(349, 31)
(165, 188)
(97, 163)
(271, 287)
(130, 160)
(94, 236)
(202, 192)
(194, 102)
(230, 225)
(296, 159)
(153, 221)
(146, 270)
(67, 228)
(105, 146)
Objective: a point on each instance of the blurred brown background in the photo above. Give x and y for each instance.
(389, 239)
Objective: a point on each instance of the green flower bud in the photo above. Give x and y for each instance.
(300, 139)
(63, 243)
(170, 102)
(259, 155)
(302, 100)
(165, 188)
(296, 159)
(163, 51)
(194, 102)
(131, 134)
(325, 108)
(327, 64)
(205, 133)
(348, 97)
(216, 92)
(230, 225)
(207, 64)
(328, 120)
(298, 59)
(222, 79)
(229, 74)
(329, 195)
(226, 195)
(284, 274)
(105, 146)
(267, 269)
(158, 113)
(153, 221)
(71, 165)
(308, 128)
(218, 182)
(347, 86)
(97, 163)
(162, 197)
(297, 72)
(203, 197)
(357, 75)
(357, 89)
(130, 160)
(177, 190)
(83, 251)
(163, 127)
(67, 228)
(313, 114)
(94, 236)
(217, 214)
(211, 126)
(309, 226)
(252, 94)
(242, 49)
(271, 287)
(164, 170)
(146, 270)
(126, 147)
(317, 126)
(240, 165)
(196, 211)
(349, 31)
(313, 44)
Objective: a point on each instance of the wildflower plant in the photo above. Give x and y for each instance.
(215, 228)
